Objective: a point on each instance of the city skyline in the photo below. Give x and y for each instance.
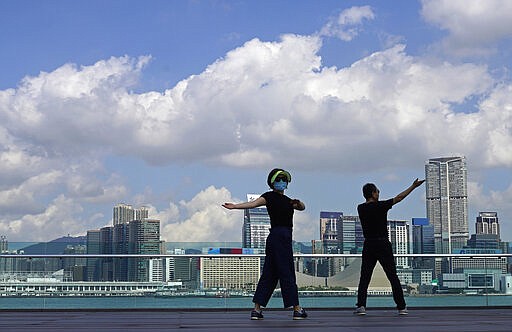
(181, 106)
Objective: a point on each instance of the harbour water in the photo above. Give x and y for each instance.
(127, 302)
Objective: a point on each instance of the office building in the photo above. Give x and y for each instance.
(106, 268)
(230, 273)
(256, 226)
(4, 244)
(183, 270)
(447, 202)
(7, 265)
(143, 239)
(422, 236)
(398, 232)
(423, 243)
(484, 241)
(330, 222)
(487, 223)
(75, 267)
(120, 247)
(156, 270)
(93, 248)
(351, 232)
(482, 263)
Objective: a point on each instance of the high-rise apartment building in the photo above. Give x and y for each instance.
(487, 223)
(123, 214)
(447, 202)
(256, 226)
(142, 213)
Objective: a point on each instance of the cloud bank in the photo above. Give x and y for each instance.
(262, 100)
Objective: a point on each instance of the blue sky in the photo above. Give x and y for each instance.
(184, 105)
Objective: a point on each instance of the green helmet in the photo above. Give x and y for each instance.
(272, 176)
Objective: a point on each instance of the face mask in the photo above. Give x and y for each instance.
(280, 185)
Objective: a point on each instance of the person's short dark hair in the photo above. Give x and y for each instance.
(273, 172)
(368, 190)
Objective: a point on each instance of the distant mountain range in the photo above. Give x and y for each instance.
(57, 246)
(54, 247)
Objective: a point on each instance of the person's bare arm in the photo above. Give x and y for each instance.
(407, 191)
(260, 201)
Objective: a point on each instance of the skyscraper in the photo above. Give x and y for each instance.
(422, 236)
(123, 214)
(330, 222)
(447, 202)
(351, 231)
(423, 243)
(144, 238)
(120, 246)
(93, 247)
(398, 231)
(141, 213)
(106, 273)
(4, 245)
(487, 223)
(256, 226)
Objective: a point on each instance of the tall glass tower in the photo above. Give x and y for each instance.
(447, 202)
(144, 238)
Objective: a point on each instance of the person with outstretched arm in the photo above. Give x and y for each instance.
(373, 215)
(279, 265)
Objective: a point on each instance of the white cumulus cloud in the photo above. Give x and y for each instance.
(474, 27)
(347, 25)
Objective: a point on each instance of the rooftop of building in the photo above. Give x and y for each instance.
(419, 319)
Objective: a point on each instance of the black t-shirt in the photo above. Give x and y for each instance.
(374, 218)
(280, 209)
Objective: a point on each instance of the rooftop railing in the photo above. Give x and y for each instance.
(228, 280)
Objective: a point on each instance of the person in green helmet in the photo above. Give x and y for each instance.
(279, 265)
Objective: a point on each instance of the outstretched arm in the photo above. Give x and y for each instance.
(407, 191)
(260, 201)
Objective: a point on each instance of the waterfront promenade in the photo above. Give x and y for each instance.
(383, 320)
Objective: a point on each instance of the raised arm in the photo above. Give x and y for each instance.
(407, 191)
(260, 201)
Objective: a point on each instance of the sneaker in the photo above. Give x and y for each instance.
(301, 314)
(256, 315)
(360, 311)
(403, 312)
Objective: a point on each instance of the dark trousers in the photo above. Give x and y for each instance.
(379, 250)
(278, 266)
